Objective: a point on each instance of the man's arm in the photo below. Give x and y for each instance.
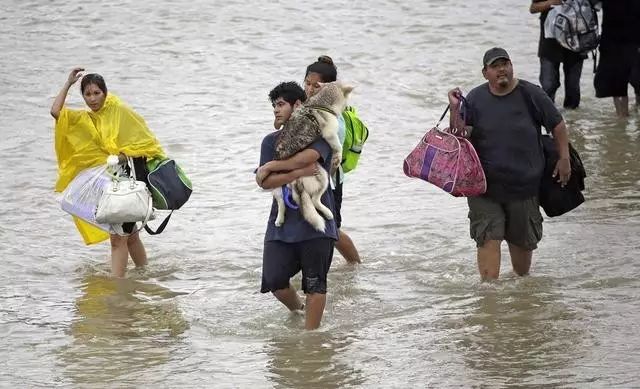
(455, 119)
(274, 180)
(297, 161)
(563, 167)
(277, 173)
(541, 6)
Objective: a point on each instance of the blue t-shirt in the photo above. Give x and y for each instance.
(295, 228)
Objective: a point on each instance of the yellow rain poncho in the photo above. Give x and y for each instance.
(85, 139)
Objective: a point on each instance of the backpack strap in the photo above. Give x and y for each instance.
(533, 113)
(161, 228)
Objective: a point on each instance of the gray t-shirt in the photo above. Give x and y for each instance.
(507, 138)
(295, 228)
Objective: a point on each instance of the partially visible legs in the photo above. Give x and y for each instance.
(289, 297)
(346, 248)
(489, 260)
(614, 74)
(279, 264)
(520, 259)
(572, 72)
(523, 232)
(549, 77)
(519, 222)
(121, 247)
(621, 103)
(635, 78)
(487, 226)
(315, 256)
(345, 245)
(119, 255)
(136, 250)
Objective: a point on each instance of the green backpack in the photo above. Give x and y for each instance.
(356, 133)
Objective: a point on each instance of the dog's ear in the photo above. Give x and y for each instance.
(346, 89)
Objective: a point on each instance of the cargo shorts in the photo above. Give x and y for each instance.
(519, 222)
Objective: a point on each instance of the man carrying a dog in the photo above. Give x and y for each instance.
(295, 245)
(503, 117)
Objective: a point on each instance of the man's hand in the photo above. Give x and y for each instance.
(310, 170)
(262, 173)
(562, 171)
(454, 97)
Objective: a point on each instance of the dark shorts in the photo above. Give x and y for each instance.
(618, 66)
(519, 222)
(337, 202)
(281, 261)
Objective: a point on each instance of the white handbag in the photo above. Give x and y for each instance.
(126, 200)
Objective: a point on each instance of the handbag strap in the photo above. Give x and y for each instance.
(132, 168)
(442, 116)
(462, 110)
(533, 113)
(161, 228)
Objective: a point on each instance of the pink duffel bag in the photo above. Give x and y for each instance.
(447, 161)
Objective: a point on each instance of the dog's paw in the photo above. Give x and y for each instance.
(279, 223)
(335, 161)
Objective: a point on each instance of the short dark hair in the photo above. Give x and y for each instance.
(290, 92)
(93, 78)
(325, 68)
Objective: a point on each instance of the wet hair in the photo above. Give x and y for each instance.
(93, 78)
(325, 68)
(290, 92)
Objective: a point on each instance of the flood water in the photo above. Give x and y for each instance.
(413, 314)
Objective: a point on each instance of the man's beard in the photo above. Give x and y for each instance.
(503, 82)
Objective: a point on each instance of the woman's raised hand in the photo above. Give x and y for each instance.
(75, 75)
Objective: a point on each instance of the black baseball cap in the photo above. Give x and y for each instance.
(493, 55)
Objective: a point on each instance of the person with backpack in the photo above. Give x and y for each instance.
(551, 55)
(507, 140)
(353, 133)
(295, 246)
(619, 63)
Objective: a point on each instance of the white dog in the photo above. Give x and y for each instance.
(318, 116)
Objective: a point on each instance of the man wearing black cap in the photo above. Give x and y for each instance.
(503, 117)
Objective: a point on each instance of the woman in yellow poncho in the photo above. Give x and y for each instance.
(85, 139)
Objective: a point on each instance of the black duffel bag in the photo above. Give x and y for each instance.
(555, 199)
(169, 186)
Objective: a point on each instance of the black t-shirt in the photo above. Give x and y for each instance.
(507, 138)
(550, 49)
(620, 22)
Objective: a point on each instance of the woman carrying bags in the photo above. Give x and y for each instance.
(85, 139)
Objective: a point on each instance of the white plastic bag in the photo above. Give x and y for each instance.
(83, 194)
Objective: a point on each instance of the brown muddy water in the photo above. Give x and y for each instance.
(412, 315)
